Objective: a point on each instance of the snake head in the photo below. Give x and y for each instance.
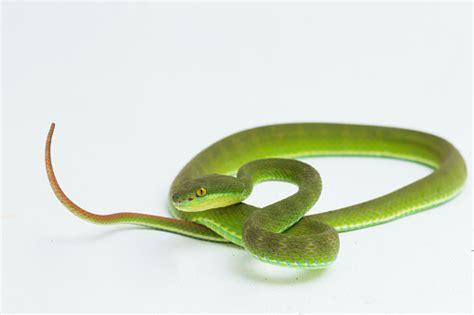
(208, 192)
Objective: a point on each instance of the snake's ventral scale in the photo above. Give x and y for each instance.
(206, 197)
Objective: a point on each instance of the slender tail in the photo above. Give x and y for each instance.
(163, 223)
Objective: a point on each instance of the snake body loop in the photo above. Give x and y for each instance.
(207, 203)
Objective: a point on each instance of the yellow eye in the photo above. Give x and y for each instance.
(201, 192)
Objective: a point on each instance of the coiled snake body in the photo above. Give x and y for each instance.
(206, 200)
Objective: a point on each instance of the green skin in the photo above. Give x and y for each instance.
(208, 206)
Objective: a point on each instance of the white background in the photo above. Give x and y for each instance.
(137, 90)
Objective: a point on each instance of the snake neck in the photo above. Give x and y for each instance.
(253, 173)
(292, 171)
(272, 169)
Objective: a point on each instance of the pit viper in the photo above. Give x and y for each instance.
(206, 197)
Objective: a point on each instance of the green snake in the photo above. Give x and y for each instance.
(206, 197)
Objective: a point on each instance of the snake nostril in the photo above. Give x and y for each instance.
(175, 198)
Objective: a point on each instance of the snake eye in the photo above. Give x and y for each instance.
(201, 192)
